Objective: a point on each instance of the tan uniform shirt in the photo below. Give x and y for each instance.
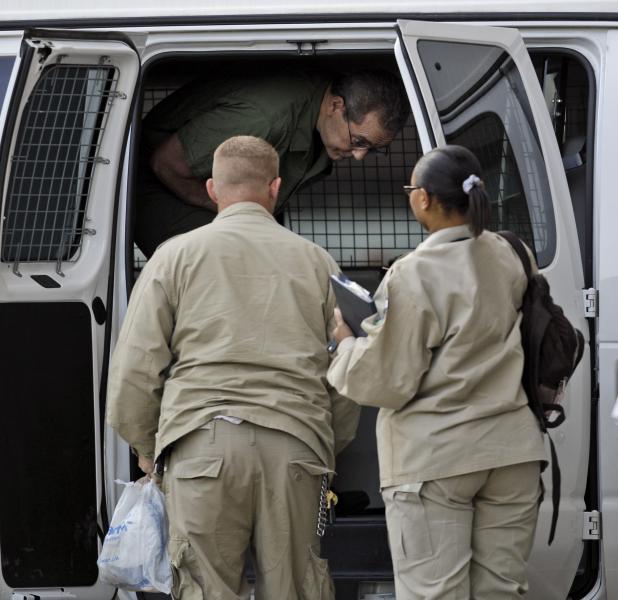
(230, 319)
(443, 358)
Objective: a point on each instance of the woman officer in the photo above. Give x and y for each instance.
(458, 447)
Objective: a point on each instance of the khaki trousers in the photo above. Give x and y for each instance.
(464, 537)
(230, 488)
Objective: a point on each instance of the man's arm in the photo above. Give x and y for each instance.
(140, 359)
(169, 164)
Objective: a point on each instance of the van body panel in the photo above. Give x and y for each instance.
(58, 210)
(68, 9)
(606, 249)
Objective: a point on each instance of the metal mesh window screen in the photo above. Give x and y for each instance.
(360, 213)
(53, 163)
(487, 138)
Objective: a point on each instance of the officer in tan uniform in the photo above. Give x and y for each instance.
(459, 448)
(221, 362)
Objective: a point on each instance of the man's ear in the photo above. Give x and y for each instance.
(425, 199)
(275, 186)
(210, 188)
(335, 103)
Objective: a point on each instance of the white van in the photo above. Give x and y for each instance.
(530, 87)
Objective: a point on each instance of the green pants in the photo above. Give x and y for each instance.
(464, 537)
(232, 488)
(160, 215)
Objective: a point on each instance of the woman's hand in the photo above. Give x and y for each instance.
(342, 330)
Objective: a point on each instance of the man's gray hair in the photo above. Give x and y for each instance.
(245, 159)
(374, 90)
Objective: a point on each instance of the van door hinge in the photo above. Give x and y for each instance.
(301, 46)
(592, 525)
(591, 302)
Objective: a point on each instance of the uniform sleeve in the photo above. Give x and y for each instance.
(345, 413)
(201, 136)
(386, 368)
(140, 360)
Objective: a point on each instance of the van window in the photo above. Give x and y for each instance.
(482, 104)
(568, 84)
(6, 66)
(58, 140)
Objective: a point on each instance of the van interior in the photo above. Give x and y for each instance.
(361, 216)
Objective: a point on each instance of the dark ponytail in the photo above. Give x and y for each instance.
(442, 173)
(479, 209)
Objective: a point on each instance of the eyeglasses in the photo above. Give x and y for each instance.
(360, 143)
(408, 189)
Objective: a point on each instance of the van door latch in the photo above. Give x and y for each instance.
(591, 303)
(302, 51)
(592, 525)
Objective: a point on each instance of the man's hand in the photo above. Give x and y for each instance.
(146, 465)
(342, 330)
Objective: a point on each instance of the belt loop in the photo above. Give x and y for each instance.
(211, 431)
(252, 428)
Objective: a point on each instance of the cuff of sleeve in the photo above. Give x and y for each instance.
(143, 451)
(346, 344)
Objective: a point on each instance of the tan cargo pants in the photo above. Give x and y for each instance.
(230, 488)
(464, 537)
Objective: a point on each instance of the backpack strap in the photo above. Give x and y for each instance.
(519, 248)
(555, 490)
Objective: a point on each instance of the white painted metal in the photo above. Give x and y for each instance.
(69, 9)
(591, 300)
(593, 529)
(87, 277)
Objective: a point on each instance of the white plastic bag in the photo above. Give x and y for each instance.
(134, 554)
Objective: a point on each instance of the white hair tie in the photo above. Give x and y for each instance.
(469, 183)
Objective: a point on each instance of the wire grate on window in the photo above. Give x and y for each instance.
(54, 160)
(360, 213)
(487, 139)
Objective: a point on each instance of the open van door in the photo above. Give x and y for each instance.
(62, 148)
(475, 86)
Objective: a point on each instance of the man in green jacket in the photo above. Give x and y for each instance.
(311, 119)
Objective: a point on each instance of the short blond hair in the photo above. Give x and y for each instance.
(245, 160)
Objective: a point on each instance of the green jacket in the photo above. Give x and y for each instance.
(281, 108)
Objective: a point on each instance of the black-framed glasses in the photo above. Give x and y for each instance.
(363, 144)
(408, 189)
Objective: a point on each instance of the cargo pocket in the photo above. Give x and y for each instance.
(317, 584)
(184, 571)
(201, 466)
(409, 533)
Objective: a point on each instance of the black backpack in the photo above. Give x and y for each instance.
(552, 351)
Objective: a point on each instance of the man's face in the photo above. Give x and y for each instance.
(343, 138)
